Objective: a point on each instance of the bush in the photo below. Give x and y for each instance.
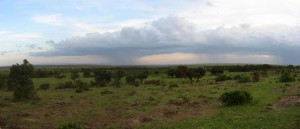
(222, 77)
(286, 76)
(45, 86)
(152, 82)
(136, 83)
(255, 77)
(236, 97)
(81, 86)
(69, 126)
(244, 78)
(173, 85)
(106, 92)
(66, 85)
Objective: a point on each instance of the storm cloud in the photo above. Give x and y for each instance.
(174, 34)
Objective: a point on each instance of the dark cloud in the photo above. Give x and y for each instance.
(173, 34)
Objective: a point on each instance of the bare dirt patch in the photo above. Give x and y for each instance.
(286, 101)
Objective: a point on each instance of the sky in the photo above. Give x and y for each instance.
(147, 32)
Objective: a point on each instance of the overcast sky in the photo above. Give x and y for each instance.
(123, 32)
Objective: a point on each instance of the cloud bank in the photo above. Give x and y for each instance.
(172, 37)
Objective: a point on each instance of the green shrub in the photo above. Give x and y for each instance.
(106, 92)
(236, 97)
(255, 76)
(45, 86)
(136, 83)
(66, 85)
(222, 77)
(81, 86)
(152, 82)
(173, 85)
(244, 78)
(286, 76)
(70, 126)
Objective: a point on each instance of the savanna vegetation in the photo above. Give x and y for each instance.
(187, 96)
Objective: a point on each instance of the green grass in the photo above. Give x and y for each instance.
(59, 106)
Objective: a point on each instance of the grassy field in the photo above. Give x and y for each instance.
(194, 106)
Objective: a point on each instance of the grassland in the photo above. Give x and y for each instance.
(193, 106)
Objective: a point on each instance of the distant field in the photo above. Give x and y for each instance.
(193, 105)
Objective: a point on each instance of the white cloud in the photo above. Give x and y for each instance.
(16, 37)
(177, 35)
(54, 19)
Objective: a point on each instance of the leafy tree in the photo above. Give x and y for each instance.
(130, 79)
(199, 72)
(190, 74)
(255, 76)
(102, 77)
(86, 73)
(74, 75)
(181, 71)
(3, 79)
(20, 81)
(142, 76)
(118, 74)
(171, 72)
(217, 70)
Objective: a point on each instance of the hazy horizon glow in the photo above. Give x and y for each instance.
(134, 32)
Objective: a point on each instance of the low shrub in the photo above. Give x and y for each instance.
(173, 85)
(152, 82)
(66, 85)
(237, 97)
(244, 78)
(70, 126)
(222, 77)
(106, 92)
(286, 76)
(81, 86)
(45, 86)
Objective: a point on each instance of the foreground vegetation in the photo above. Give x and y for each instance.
(227, 97)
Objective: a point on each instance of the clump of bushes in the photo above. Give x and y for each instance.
(45, 86)
(237, 97)
(242, 78)
(81, 86)
(106, 92)
(286, 76)
(173, 85)
(222, 77)
(152, 82)
(66, 85)
(70, 126)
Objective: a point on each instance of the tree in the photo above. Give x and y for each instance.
(199, 72)
(142, 75)
(171, 72)
(20, 81)
(255, 76)
(217, 70)
(190, 74)
(102, 77)
(130, 79)
(3, 79)
(74, 75)
(181, 71)
(118, 74)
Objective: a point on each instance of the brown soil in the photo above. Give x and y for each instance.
(114, 117)
(286, 101)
